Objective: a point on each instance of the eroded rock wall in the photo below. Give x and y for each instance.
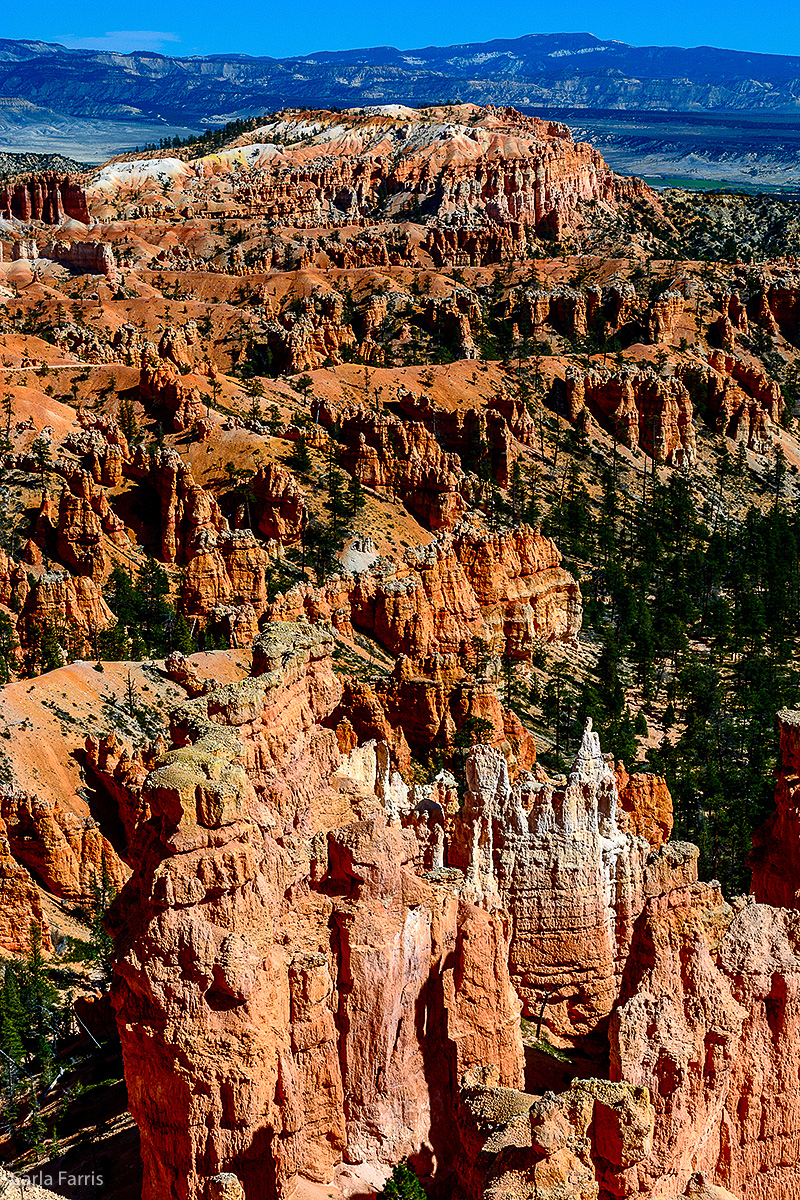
(508, 588)
(318, 966)
(47, 197)
(776, 846)
(277, 966)
(642, 408)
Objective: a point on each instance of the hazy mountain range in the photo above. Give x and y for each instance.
(90, 102)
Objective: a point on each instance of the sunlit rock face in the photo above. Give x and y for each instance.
(321, 969)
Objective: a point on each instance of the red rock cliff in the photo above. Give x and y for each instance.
(508, 588)
(280, 958)
(47, 198)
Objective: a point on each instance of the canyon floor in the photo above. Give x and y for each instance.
(749, 151)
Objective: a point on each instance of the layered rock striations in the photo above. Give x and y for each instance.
(613, 931)
(572, 311)
(330, 955)
(642, 408)
(555, 858)
(190, 515)
(304, 340)
(433, 612)
(500, 170)
(161, 384)
(278, 507)
(87, 257)
(20, 903)
(72, 605)
(736, 397)
(508, 588)
(48, 198)
(289, 991)
(581, 1144)
(401, 459)
(64, 851)
(475, 433)
(707, 1022)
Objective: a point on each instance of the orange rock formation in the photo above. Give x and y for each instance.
(317, 965)
(243, 870)
(507, 588)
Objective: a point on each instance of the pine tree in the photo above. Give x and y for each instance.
(131, 695)
(517, 492)
(511, 685)
(299, 458)
(12, 1017)
(126, 416)
(121, 596)
(305, 385)
(326, 544)
(114, 643)
(42, 451)
(144, 618)
(181, 636)
(101, 941)
(336, 504)
(36, 1130)
(779, 474)
(356, 500)
(739, 469)
(623, 741)
(40, 1003)
(7, 644)
(402, 1184)
(255, 390)
(8, 414)
(279, 579)
(153, 588)
(533, 514)
(491, 506)
(44, 652)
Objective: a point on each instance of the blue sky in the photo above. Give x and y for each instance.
(277, 29)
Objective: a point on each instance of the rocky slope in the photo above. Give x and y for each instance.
(504, 589)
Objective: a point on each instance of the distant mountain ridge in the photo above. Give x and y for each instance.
(574, 70)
